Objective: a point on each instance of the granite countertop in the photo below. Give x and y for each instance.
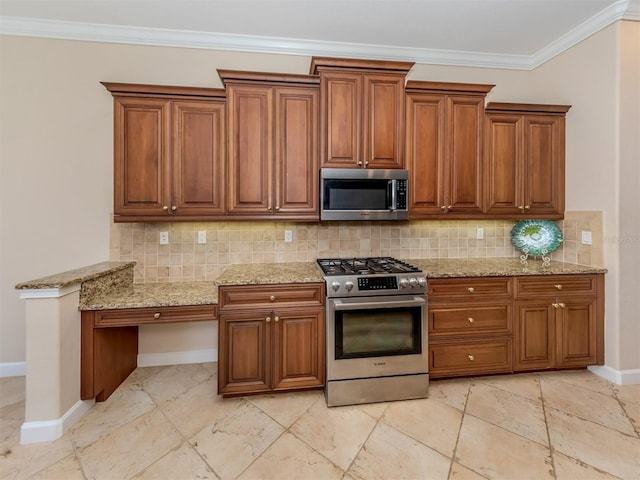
(496, 267)
(270, 273)
(73, 277)
(149, 295)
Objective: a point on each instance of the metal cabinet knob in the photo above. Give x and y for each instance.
(156, 315)
(276, 319)
(471, 319)
(272, 298)
(562, 305)
(173, 208)
(277, 207)
(165, 208)
(555, 305)
(471, 357)
(471, 289)
(443, 207)
(268, 319)
(559, 287)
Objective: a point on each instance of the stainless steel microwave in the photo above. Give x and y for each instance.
(363, 194)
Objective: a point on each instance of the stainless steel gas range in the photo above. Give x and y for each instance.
(376, 330)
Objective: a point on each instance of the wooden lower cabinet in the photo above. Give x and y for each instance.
(278, 348)
(513, 324)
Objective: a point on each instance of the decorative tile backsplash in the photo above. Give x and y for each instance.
(184, 259)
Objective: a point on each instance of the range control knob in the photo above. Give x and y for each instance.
(335, 286)
(404, 283)
(422, 281)
(348, 285)
(413, 282)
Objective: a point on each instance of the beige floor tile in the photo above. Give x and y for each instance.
(588, 404)
(512, 412)
(601, 447)
(11, 419)
(571, 469)
(233, 442)
(175, 380)
(212, 367)
(23, 461)
(628, 393)
(286, 408)
(633, 413)
(128, 450)
(122, 407)
(198, 407)
(452, 392)
(460, 472)
(525, 384)
(375, 410)
(290, 458)
(66, 469)
(182, 463)
(433, 423)
(581, 378)
(390, 454)
(500, 454)
(338, 433)
(11, 390)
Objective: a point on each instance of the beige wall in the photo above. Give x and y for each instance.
(56, 145)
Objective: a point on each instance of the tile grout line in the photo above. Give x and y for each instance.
(546, 427)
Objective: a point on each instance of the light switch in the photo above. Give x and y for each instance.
(202, 236)
(288, 236)
(479, 233)
(586, 237)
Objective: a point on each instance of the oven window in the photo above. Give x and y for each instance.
(375, 333)
(356, 194)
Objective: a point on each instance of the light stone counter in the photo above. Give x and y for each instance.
(99, 271)
(270, 273)
(496, 267)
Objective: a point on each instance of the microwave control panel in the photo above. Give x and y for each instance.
(401, 195)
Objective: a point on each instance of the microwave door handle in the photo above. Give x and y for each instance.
(394, 201)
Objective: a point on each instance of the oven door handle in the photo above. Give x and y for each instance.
(382, 303)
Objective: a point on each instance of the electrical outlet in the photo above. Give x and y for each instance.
(288, 236)
(202, 236)
(164, 238)
(479, 233)
(586, 237)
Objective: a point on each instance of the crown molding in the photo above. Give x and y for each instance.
(92, 32)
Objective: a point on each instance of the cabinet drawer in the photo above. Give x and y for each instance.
(555, 285)
(141, 316)
(268, 296)
(479, 319)
(468, 287)
(467, 358)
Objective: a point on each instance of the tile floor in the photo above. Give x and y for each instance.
(168, 423)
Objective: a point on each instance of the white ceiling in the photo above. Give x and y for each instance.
(495, 33)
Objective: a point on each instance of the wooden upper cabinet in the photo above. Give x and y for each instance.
(361, 112)
(525, 160)
(168, 152)
(272, 145)
(445, 125)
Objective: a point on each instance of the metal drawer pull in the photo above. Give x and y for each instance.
(471, 289)
(156, 315)
(471, 357)
(268, 319)
(559, 287)
(276, 319)
(272, 298)
(471, 320)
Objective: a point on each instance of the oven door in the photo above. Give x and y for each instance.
(376, 336)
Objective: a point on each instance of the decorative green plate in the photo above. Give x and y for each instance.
(536, 237)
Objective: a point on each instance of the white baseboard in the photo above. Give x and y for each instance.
(619, 377)
(177, 358)
(13, 369)
(49, 430)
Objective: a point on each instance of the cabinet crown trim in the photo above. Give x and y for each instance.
(328, 63)
(526, 108)
(126, 89)
(240, 76)
(418, 86)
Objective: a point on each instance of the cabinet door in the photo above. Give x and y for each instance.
(244, 364)
(544, 143)
(535, 335)
(299, 350)
(504, 175)
(383, 133)
(142, 145)
(198, 158)
(576, 332)
(425, 153)
(296, 152)
(341, 120)
(250, 149)
(464, 142)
